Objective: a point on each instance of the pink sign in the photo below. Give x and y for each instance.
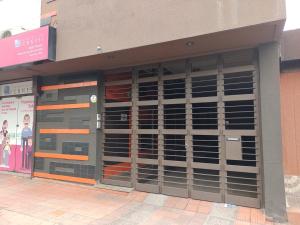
(26, 47)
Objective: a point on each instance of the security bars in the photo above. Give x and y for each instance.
(187, 128)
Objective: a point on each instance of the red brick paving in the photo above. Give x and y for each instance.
(193, 205)
(181, 203)
(294, 218)
(244, 214)
(42, 202)
(257, 217)
(171, 202)
(242, 223)
(137, 196)
(204, 207)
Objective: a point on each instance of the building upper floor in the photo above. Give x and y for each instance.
(96, 35)
(89, 27)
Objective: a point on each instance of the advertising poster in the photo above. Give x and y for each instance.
(16, 119)
(8, 139)
(24, 149)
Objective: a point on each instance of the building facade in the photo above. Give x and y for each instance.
(173, 97)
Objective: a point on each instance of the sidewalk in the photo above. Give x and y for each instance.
(44, 202)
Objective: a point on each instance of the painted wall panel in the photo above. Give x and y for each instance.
(66, 134)
(290, 121)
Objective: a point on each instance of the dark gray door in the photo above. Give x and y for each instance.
(66, 129)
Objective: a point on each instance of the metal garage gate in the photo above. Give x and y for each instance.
(187, 128)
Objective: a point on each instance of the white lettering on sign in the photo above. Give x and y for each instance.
(20, 88)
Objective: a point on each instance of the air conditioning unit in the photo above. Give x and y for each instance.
(10, 32)
(5, 34)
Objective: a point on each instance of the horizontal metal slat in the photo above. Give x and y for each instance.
(116, 159)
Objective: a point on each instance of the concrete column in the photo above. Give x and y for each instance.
(273, 178)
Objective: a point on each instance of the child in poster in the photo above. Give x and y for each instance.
(29, 153)
(25, 136)
(6, 152)
(3, 142)
(4, 130)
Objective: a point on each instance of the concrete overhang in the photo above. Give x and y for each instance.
(245, 37)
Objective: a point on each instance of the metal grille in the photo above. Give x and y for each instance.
(174, 89)
(174, 116)
(147, 174)
(239, 115)
(241, 135)
(148, 91)
(117, 117)
(174, 180)
(206, 149)
(148, 117)
(147, 148)
(242, 184)
(116, 141)
(187, 128)
(116, 145)
(174, 147)
(249, 153)
(205, 115)
(238, 83)
(204, 86)
(205, 180)
(118, 93)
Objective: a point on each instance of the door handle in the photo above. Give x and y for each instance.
(98, 123)
(232, 139)
(233, 148)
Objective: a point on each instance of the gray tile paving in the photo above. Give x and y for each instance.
(213, 220)
(141, 214)
(224, 212)
(156, 199)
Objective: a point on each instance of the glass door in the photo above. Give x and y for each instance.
(16, 117)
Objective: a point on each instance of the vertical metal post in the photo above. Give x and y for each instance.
(160, 129)
(35, 91)
(257, 119)
(189, 127)
(99, 133)
(134, 128)
(221, 127)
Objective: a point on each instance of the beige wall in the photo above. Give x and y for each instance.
(290, 47)
(117, 24)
